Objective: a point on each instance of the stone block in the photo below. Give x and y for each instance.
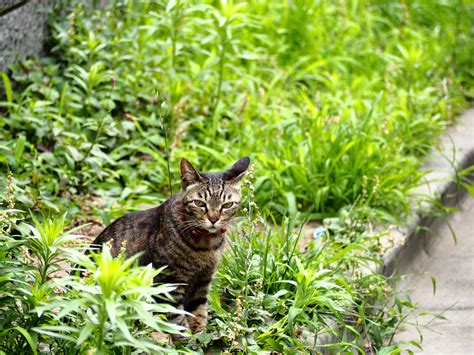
(7, 4)
(22, 30)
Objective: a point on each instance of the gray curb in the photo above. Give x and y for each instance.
(456, 153)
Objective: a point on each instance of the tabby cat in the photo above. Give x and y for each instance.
(186, 233)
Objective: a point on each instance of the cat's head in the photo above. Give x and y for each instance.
(211, 199)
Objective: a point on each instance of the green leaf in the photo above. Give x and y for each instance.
(416, 344)
(469, 188)
(291, 200)
(8, 87)
(58, 332)
(292, 314)
(85, 333)
(19, 147)
(70, 306)
(204, 338)
(433, 283)
(111, 307)
(29, 339)
(171, 5)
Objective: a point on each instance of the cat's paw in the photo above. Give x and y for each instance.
(161, 338)
(197, 324)
(180, 338)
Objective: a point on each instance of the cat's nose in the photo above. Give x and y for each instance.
(213, 219)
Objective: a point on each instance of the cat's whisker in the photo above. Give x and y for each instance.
(187, 226)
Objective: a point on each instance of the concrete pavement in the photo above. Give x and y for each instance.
(453, 267)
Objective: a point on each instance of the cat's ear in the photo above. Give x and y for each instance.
(237, 171)
(189, 175)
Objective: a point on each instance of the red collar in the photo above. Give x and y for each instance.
(200, 232)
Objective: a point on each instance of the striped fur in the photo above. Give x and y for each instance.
(185, 233)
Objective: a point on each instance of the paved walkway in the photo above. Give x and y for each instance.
(453, 267)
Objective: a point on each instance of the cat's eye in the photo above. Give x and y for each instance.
(227, 205)
(199, 203)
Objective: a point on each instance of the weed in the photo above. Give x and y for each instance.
(336, 102)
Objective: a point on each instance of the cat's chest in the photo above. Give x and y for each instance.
(193, 254)
(205, 247)
(197, 261)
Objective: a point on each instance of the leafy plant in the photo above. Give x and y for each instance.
(337, 103)
(113, 308)
(275, 293)
(247, 79)
(43, 306)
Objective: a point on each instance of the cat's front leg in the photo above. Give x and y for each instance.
(178, 318)
(178, 297)
(198, 321)
(197, 305)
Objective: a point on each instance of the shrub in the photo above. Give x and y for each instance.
(43, 307)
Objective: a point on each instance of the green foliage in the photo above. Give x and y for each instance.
(331, 99)
(269, 295)
(112, 308)
(43, 307)
(337, 103)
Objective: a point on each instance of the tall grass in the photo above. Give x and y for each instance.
(330, 98)
(269, 295)
(337, 103)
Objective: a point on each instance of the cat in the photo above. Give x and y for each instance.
(186, 234)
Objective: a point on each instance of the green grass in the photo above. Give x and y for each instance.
(336, 102)
(329, 99)
(267, 294)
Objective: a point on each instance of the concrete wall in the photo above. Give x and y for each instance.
(22, 29)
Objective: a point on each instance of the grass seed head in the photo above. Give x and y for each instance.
(10, 189)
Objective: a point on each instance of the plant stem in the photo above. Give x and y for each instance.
(99, 128)
(456, 34)
(221, 77)
(167, 154)
(100, 340)
(221, 72)
(174, 34)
